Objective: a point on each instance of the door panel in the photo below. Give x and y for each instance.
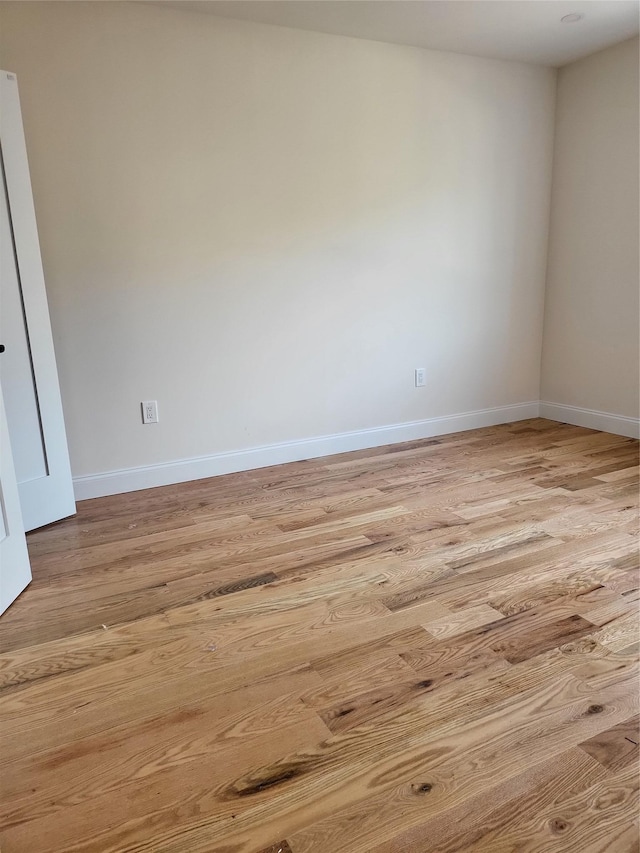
(16, 368)
(15, 571)
(28, 368)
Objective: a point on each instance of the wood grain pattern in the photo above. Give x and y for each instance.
(458, 828)
(617, 747)
(429, 646)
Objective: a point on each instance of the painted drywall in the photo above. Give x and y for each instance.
(591, 357)
(267, 230)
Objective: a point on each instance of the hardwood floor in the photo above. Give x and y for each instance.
(429, 647)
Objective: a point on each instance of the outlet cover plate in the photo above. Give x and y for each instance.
(149, 411)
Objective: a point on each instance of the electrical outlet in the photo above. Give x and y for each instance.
(421, 377)
(149, 411)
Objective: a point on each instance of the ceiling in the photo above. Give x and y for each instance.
(524, 30)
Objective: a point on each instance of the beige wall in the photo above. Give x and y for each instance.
(267, 230)
(590, 352)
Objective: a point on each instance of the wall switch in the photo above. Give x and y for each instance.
(149, 412)
(421, 377)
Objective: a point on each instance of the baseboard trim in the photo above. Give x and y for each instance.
(167, 473)
(604, 421)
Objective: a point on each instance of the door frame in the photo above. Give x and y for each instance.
(15, 569)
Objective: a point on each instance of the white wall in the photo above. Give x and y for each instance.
(267, 230)
(591, 356)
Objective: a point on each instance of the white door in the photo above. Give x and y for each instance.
(15, 572)
(28, 372)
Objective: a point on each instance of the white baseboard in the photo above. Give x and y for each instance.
(604, 421)
(166, 473)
